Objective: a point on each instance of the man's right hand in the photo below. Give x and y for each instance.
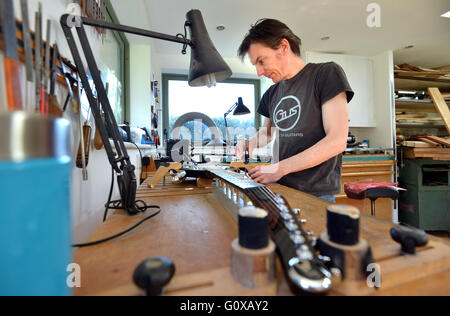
(241, 146)
(240, 150)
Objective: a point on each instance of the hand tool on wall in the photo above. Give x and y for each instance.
(81, 154)
(28, 51)
(53, 105)
(11, 58)
(38, 58)
(71, 96)
(98, 142)
(85, 143)
(44, 91)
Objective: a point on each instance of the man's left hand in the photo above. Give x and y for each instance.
(267, 174)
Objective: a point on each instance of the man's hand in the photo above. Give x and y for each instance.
(267, 174)
(240, 150)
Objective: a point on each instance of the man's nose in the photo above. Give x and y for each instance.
(259, 71)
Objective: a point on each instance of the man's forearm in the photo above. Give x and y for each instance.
(262, 138)
(324, 150)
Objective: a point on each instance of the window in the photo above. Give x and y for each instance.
(180, 99)
(113, 67)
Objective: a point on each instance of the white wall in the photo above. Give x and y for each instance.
(383, 135)
(370, 111)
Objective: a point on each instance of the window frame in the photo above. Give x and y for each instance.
(124, 63)
(166, 77)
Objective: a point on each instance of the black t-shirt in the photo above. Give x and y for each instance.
(295, 108)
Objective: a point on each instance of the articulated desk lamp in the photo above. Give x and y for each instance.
(207, 67)
(239, 109)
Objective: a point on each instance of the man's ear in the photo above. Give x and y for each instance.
(284, 46)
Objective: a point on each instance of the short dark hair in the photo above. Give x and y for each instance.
(269, 32)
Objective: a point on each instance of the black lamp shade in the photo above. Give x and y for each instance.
(207, 66)
(241, 109)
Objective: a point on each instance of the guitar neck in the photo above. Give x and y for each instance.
(303, 270)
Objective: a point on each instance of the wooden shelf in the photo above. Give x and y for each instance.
(421, 125)
(406, 83)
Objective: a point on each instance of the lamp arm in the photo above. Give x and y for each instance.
(133, 30)
(231, 110)
(120, 161)
(95, 109)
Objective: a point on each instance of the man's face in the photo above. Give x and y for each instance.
(268, 61)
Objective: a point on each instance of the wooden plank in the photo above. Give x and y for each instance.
(368, 174)
(429, 141)
(439, 140)
(162, 172)
(433, 150)
(200, 186)
(441, 106)
(416, 144)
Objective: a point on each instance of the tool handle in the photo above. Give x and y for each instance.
(98, 142)
(13, 84)
(409, 238)
(53, 106)
(43, 105)
(86, 142)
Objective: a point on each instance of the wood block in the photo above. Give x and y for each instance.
(397, 269)
(242, 165)
(162, 172)
(416, 144)
(172, 189)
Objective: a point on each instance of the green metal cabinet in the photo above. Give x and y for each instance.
(426, 203)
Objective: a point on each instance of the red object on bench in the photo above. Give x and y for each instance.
(372, 190)
(357, 190)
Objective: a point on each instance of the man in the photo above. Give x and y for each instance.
(307, 107)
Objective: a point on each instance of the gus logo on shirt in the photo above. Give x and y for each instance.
(287, 113)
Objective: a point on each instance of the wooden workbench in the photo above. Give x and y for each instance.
(196, 232)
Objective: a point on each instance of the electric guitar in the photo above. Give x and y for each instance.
(303, 270)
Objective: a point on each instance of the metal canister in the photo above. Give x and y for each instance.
(35, 226)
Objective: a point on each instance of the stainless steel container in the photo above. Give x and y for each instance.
(35, 227)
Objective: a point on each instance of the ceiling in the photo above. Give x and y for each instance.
(403, 23)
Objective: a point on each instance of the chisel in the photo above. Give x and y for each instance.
(38, 59)
(44, 94)
(81, 155)
(73, 99)
(28, 50)
(53, 105)
(11, 57)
